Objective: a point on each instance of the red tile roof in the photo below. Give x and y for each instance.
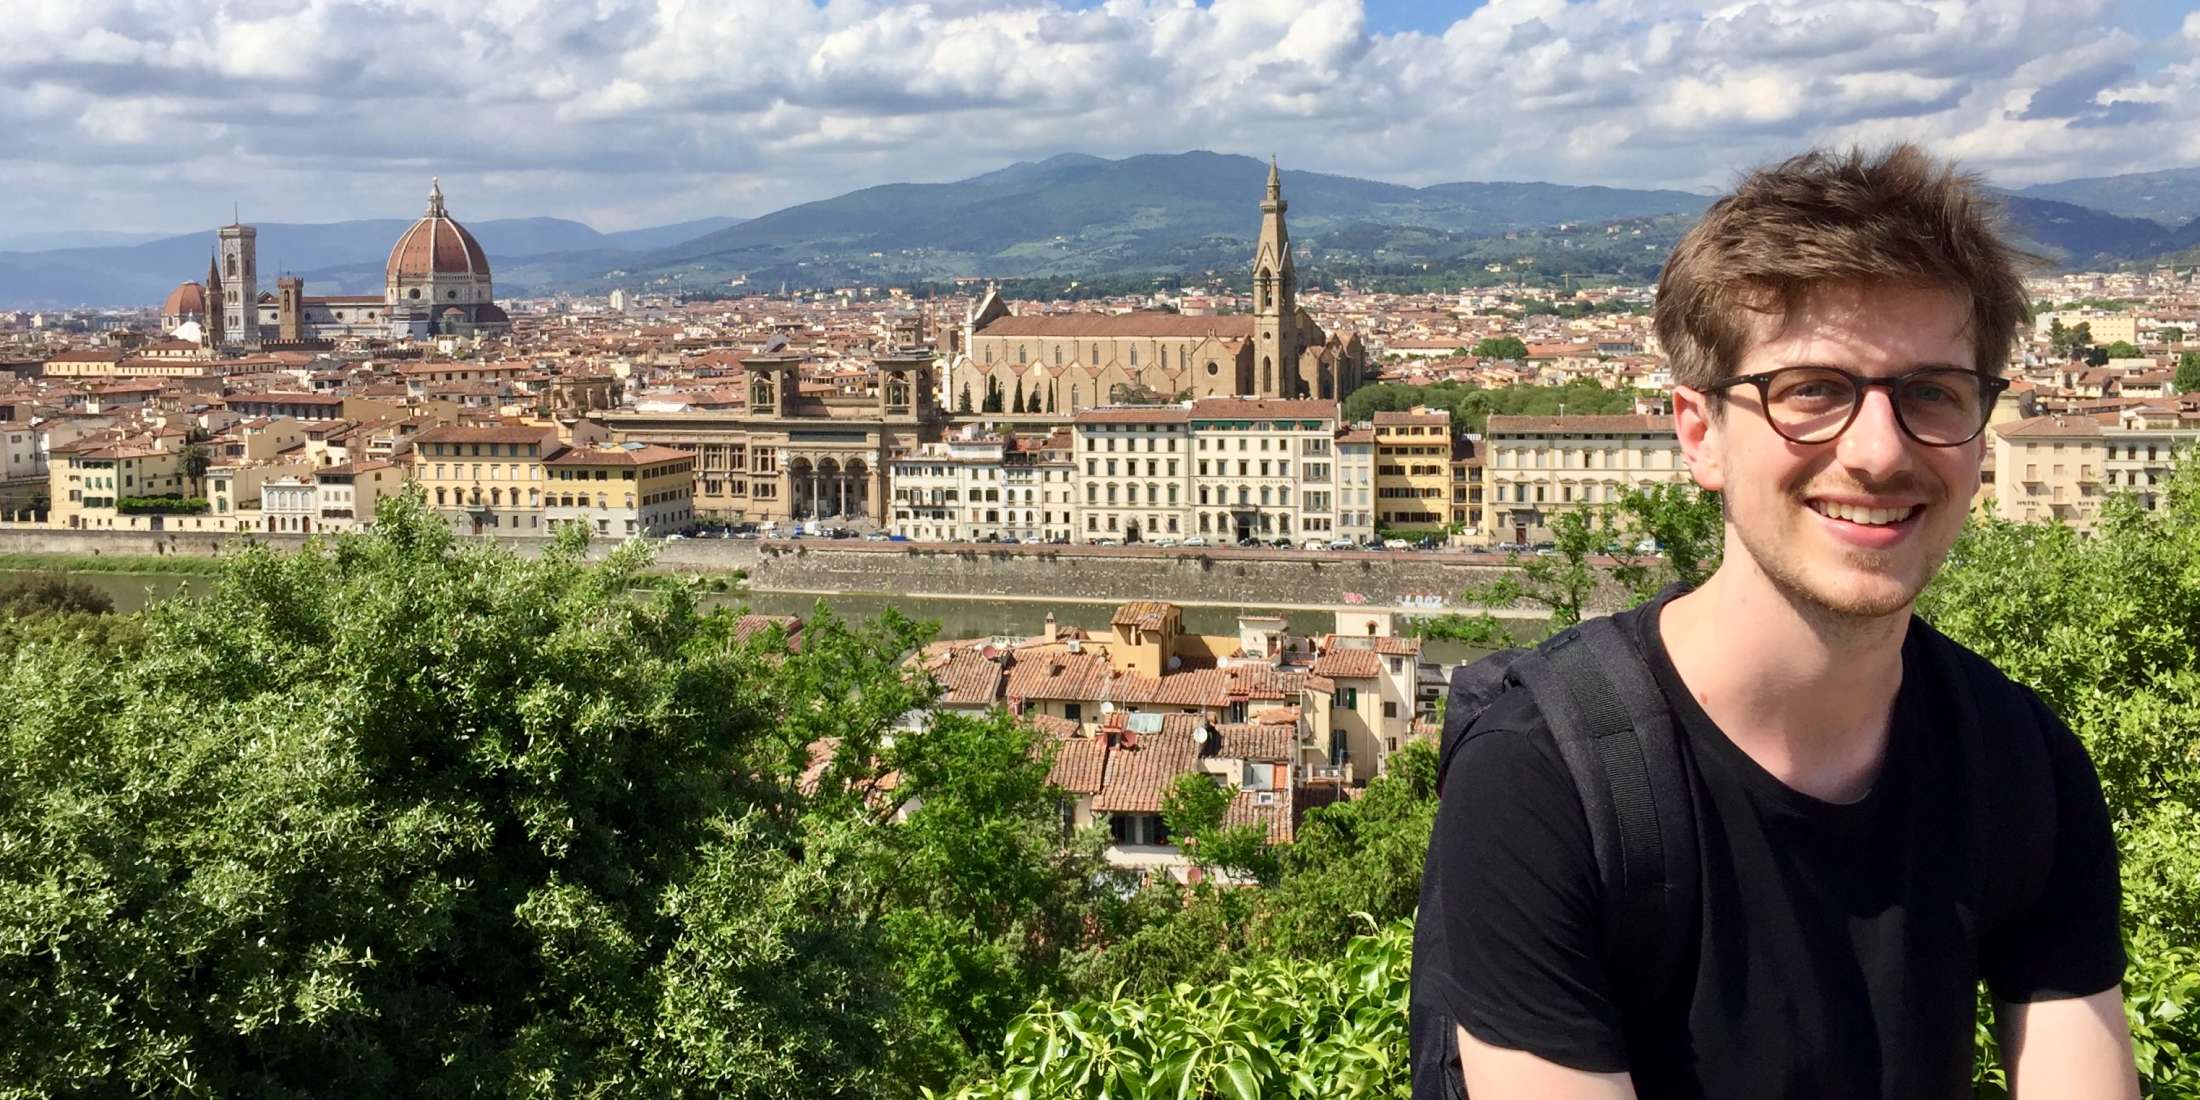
(1144, 323)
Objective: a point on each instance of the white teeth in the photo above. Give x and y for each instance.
(1877, 517)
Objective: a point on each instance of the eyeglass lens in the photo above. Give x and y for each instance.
(1937, 406)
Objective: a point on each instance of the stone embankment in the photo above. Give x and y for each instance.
(1414, 580)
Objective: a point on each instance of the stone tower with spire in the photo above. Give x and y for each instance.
(217, 305)
(1275, 298)
(240, 299)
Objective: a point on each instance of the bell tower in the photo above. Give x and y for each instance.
(905, 384)
(240, 304)
(1275, 299)
(774, 383)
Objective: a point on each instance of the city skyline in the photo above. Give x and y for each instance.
(628, 116)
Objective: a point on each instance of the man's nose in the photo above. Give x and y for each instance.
(1875, 446)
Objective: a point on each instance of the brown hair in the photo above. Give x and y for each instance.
(1824, 219)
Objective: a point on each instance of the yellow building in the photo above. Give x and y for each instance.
(1412, 468)
(88, 482)
(635, 489)
(486, 480)
(1535, 467)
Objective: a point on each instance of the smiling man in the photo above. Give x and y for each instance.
(1873, 819)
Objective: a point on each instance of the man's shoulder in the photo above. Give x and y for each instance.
(1508, 743)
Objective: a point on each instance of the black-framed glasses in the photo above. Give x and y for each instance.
(1937, 406)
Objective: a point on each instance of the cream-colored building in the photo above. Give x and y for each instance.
(485, 480)
(2062, 466)
(1134, 466)
(347, 495)
(1039, 489)
(1356, 484)
(1360, 704)
(952, 491)
(634, 489)
(1535, 467)
(1264, 469)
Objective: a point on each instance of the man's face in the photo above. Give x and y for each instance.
(1803, 512)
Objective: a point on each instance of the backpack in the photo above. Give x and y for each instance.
(1615, 732)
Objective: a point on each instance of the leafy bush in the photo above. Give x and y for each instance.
(168, 505)
(51, 592)
(1333, 1027)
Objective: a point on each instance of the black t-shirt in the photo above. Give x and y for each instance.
(1840, 946)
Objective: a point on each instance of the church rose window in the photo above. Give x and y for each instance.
(413, 293)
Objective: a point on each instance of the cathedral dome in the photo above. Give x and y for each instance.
(187, 300)
(436, 245)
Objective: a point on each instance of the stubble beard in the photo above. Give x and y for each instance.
(1818, 598)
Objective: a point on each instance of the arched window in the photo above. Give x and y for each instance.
(1057, 355)
(1267, 375)
(1020, 356)
(1134, 355)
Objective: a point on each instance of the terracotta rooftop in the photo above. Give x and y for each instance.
(1149, 323)
(1647, 425)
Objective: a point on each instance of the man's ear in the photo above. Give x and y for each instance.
(1702, 435)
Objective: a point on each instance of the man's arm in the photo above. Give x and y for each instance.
(2074, 1046)
(1499, 1072)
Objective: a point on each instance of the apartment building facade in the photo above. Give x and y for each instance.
(1134, 462)
(1264, 469)
(1537, 467)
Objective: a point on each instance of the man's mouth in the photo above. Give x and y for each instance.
(1865, 515)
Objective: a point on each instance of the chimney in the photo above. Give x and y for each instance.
(1051, 629)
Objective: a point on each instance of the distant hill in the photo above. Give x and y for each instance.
(1075, 213)
(1181, 219)
(2170, 196)
(527, 254)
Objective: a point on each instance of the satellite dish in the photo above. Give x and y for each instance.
(1107, 708)
(1201, 734)
(1175, 663)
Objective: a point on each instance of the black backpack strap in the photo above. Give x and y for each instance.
(1615, 731)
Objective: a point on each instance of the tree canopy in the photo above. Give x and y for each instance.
(393, 814)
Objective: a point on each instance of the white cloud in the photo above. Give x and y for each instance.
(635, 111)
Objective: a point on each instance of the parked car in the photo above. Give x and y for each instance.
(1314, 544)
(1196, 540)
(1165, 542)
(878, 536)
(1397, 544)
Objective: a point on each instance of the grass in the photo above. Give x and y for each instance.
(112, 563)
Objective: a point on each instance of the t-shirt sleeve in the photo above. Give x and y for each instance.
(2069, 943)
(1519, 906)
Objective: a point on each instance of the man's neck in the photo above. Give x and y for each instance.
(1807, 695)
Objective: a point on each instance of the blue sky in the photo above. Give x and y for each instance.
(126, 115)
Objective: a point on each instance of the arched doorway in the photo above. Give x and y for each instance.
(802, 494)
(856, 484)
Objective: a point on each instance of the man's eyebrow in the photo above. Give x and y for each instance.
(1928, 365)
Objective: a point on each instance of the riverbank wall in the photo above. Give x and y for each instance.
(1413, 580)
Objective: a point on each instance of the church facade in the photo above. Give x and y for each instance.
(1057, 364)
(436, 282)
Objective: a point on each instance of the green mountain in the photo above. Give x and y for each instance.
(1189, 218)
(1188, 213)
(2170, 196)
